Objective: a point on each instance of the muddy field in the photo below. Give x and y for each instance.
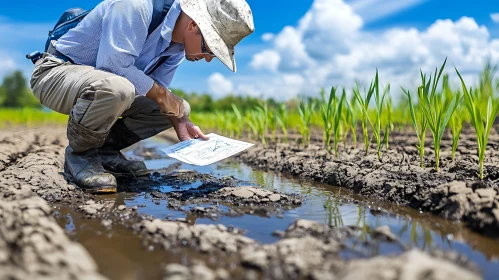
(51, 230)
(453, 193)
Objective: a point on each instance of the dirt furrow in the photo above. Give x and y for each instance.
(14, 146)
(32, 245)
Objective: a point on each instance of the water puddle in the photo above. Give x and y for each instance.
(121, 254)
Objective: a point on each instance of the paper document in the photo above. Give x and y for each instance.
(201, 152)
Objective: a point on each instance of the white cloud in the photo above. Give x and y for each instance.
(266, 60)
(219, 86)
(322, 51)
(495, 17)
(268, 37)
(372, 10)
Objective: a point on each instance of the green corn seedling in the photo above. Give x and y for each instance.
(272, 122)
(282, 120)
(238, 119)
(306, 109)
(457, 119)
(379, 101)
(388, 121)
(481, 118)
(436, 111)
(338, 106)
(252, 124)
(346, 117)
(363, 103)
(420, 129)
(229, 123)
(352, 107)
(327, 114)
(456, 127)
(262, 121)
(222, 122)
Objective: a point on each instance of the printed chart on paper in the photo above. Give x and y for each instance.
(201, 152)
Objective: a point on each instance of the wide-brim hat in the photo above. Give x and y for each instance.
(223, 23)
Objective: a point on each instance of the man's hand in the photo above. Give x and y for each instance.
(170, 104)
(186, 129)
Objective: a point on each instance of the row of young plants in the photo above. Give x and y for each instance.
(433, 106)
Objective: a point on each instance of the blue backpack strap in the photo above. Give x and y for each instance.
(160, 9)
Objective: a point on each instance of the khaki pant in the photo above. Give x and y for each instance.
(96, 99)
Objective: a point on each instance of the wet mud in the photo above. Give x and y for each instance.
(307, 250)
(49, 229)
(453, 193)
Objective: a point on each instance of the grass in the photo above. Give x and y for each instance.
(30, 117)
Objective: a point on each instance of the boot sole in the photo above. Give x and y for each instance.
(104, 190)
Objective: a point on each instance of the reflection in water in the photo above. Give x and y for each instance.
(333, 216)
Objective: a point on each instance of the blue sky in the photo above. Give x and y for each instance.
(24, 24)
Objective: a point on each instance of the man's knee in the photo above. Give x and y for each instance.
(103, 103)
(116, 90)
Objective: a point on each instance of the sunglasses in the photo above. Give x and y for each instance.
(203, 47)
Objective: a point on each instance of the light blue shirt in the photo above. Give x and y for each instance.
(113, 37)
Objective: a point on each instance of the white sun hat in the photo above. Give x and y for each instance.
(223, 23)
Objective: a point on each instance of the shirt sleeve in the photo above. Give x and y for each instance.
(163, 75)
(124, 31)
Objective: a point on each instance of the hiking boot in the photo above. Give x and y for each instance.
(87, 171)
(115, 162)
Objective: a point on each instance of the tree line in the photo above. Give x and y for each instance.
(14, 92)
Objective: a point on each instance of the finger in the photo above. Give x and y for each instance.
(200, 134)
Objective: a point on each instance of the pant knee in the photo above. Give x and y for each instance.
(116, 90)
(103, 103)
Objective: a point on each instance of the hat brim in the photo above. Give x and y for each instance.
(198, 11)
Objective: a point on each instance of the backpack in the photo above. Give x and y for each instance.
(70, 19)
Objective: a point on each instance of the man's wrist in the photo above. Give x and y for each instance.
(156, 93)
(169, 103)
